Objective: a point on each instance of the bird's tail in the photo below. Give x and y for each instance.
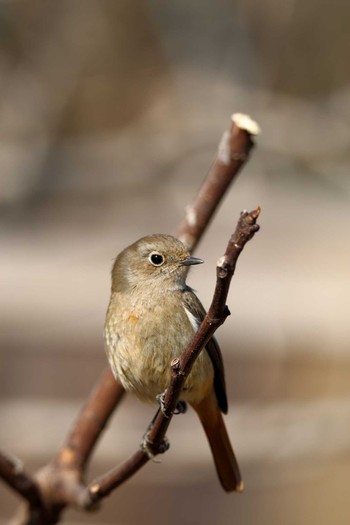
(224, 457)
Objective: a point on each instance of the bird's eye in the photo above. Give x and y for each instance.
(156, 259)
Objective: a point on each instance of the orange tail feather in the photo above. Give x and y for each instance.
(224, 457)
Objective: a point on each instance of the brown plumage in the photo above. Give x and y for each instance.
(152, 316)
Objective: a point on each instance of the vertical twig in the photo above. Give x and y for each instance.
(233, 153)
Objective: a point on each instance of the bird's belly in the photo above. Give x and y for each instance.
(140, 351)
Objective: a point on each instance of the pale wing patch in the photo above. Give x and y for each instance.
(193, 320)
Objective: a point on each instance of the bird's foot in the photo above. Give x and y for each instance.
(151, 449)
(181, 406)
(161, 401)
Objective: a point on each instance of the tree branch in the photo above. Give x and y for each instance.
(181, 367)
(12, 472)
(59, 483)
(90, 422)
(233, 153)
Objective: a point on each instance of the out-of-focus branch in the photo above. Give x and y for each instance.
(181, 367)
(233, 152)
(12, 472)
(90, 422)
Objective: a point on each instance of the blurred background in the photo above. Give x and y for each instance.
(110, 115)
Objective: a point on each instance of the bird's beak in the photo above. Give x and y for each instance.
(190, 260)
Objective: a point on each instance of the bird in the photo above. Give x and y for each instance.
(151, 318)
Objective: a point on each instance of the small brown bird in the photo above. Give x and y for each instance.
(151, 318)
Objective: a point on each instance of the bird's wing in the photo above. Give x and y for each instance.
(195, 308)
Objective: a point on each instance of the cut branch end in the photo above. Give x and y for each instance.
(246, 123)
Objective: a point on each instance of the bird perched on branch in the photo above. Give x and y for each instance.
(151, 318)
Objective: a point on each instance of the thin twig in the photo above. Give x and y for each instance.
(105, 484)
(182, 366)
(215, 317)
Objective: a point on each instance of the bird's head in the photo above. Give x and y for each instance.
(154, 260)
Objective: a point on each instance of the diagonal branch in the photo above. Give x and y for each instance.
(181, 367)
(90, 422)
(233, 152)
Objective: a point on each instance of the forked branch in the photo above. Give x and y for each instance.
(60, 483)
(181, 367)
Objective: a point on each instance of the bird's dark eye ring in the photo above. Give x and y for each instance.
(156, 259)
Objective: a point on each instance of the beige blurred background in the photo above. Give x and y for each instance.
(110, 114)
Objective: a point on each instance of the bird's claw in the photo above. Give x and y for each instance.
(181, 406)
(161, 401)
(148, 447)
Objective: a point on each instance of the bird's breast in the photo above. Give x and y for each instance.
(142, 337)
